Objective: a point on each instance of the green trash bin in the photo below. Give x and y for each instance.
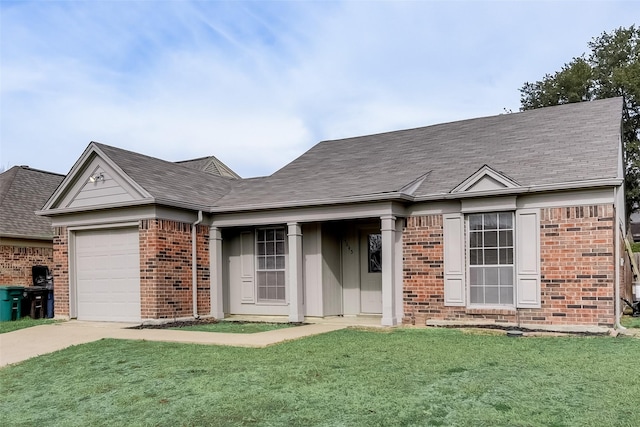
(10, 303)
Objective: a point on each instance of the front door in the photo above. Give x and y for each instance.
(370, 272)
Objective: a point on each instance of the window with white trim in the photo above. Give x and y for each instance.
(270, 264)
(490, 243)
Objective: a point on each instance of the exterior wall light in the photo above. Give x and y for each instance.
(96, 177)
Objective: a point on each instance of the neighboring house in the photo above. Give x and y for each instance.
(25, 239)
(515, 219)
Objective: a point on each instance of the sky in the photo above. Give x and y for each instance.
(258, 83)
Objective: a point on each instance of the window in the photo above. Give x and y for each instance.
(270, 271)
(492, 259)
(491, 263)
(375, 253)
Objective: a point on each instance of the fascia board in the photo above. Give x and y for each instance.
(309, 214)
(144, 202)
(574, 185)
(395, 196)
(25, 236)
(66, 211)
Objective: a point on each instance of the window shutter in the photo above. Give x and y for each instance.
(528, 258)
(454, 265)
(247, 269)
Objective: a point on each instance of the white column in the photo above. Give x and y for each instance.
(399, 275)
(388, 229)
(215, 269)
(295, 279)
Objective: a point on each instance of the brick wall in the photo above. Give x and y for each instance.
(577, 271)
(578, 266)
(61, 271)
(16, 263)
(165, 269)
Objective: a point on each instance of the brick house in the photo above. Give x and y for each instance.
(25, 239)
(516, 219)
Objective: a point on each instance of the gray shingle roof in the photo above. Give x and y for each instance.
(167, 181)
(22, 192)
(554, 145)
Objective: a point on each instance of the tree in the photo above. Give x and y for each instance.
(611, 69)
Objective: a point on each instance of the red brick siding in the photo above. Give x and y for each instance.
(165, 269)
(16, 263)
(577, 271)
(60, 271)
(423, 271)
(577, 255)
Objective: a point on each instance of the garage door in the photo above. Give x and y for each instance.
(108, 275)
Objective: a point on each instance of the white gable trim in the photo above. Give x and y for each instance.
(93, 161)
(485, 179)
(411, 187)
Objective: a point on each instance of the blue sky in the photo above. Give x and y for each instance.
(258, 83)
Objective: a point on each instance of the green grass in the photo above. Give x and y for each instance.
(25, 322)
(407, 377)
(235, 327)
(630, 322)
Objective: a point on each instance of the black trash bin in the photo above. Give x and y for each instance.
(34, 302)
(43, 279)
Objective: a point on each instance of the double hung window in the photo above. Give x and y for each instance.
(490, 238)
(270, 266)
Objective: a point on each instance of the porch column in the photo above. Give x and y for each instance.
(294, 235)
(215, 268)
(388, 229)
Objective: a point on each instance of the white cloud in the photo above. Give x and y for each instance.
(257, 83)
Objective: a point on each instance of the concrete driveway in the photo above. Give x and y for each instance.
(26, 343)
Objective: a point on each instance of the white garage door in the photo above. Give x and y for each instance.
(108, 275)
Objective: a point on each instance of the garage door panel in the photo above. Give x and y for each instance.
(108, 275)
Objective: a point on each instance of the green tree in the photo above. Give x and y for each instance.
(612, 68)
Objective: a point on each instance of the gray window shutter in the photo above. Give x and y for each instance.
(454, 265)
(248, 288)
(528, 258)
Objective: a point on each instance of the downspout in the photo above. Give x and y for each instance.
(194, 264)
(616, 239)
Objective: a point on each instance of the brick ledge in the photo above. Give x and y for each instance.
(506, 325)
(502, 311)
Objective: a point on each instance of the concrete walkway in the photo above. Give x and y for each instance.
(26, 343)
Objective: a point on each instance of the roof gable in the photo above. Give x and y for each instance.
(485, 179)
(212, 165)
(106, 176)
(98, 182)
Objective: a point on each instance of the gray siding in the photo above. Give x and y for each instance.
(331, 271)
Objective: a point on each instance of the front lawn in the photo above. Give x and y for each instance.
(402, 377)
(234, 327)
(630, 322)
(25, 322)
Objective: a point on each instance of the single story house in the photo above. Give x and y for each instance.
(25, 239)
(515, 219)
